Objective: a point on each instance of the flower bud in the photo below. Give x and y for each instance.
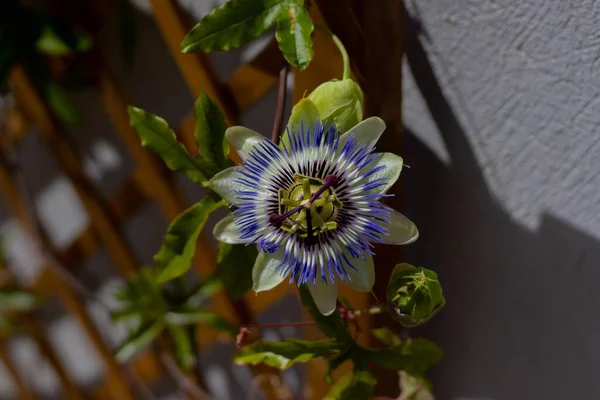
(414, 295)
(339, 102)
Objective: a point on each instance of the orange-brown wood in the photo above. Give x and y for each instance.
(38, 334)
(195, 68)
(72, 302)
(72, 167)
(24, 392)
(76, 306)
(253, 80)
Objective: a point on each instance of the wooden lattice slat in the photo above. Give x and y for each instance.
(24, 391)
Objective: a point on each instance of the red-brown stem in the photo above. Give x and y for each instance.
(279, 324)
(281, 94)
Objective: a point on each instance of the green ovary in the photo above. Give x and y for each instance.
(319, 215)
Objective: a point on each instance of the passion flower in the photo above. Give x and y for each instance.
(312, 206)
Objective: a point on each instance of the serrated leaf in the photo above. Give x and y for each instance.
(154, 133)
(235, 262)
(285, 353)
(203, 291)
(18, 300)
(414, 356)
(233, 24)
(179, 244)
(339, 102)
(184, 353)
(358, 386)
(293, 33)
(331, 325)
(201, 316)
(210, 132)
(386, 336)
(139, 340)
(414, 387)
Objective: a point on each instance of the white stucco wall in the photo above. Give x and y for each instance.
(502, 108)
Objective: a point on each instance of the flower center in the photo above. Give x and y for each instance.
(309, 207)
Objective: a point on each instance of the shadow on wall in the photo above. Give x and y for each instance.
(521, 320)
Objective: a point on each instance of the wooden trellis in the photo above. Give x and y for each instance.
(150, 182)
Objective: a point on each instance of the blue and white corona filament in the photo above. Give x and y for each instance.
(312, 206)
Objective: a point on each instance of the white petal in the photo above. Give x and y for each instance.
(243, 139)
(223, 184)
(393, 166)
(324, 295)
(363, 278)
(226, 231)
(366, 133)
(265, 276)
(401, 230)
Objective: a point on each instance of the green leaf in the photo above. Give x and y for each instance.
(125, 314)
(60, 103)
(142, 292)
(386, 336)
(414, 295)
(233, 24)
(358, 386)
(18, 300)
(235, 263)
(210, 132)
(414, 356)
(154, 132)
(286, 353)
(293, 33)
(304, 113)
(339, 102)
(179, 244)
(201, 316)
(203, 291)
(51, 41)
(414, 387)
(331, 325)
(182, 345)
(139, 340)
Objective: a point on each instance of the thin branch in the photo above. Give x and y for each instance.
(281, 94)
(185, 383)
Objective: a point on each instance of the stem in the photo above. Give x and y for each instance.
(341, 48)
(277, 122)
(194, 343)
